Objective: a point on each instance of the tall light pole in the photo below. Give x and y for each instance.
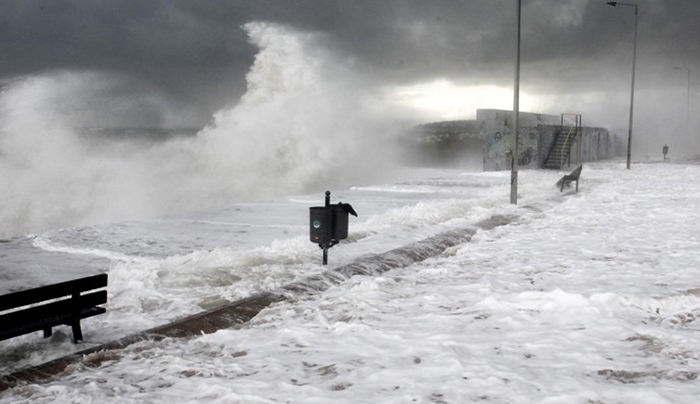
(516, 116)
(687, 102)
(634, 62)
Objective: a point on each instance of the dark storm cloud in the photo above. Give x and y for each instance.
(195, 52)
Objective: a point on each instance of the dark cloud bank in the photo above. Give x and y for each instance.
(194, 55)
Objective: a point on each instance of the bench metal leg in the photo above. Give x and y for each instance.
(75, 323)
(77, 332)
(565, 183)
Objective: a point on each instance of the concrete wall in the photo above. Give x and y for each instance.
(498, 138)
(487, 141)
(536, 137)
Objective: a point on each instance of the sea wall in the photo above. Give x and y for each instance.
(486, 142)
(536, 136)
(497, 136)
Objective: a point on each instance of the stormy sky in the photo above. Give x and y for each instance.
(193, 56)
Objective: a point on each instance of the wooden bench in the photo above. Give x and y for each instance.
(566, 180)
(52, 305)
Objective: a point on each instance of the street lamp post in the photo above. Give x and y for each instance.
(516, 116)
(687, 101)
(634, 62)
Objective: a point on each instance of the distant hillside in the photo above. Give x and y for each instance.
(446, 131)
(444, 144)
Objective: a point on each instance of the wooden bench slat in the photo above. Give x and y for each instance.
(86, 300)
(26, 297)
(50, 311)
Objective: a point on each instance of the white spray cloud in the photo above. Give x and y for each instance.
(302, 126)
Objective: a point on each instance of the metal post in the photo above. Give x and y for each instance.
(579, 139)
(634, 62)
(687, 107)
(325, 245)
(516, 115)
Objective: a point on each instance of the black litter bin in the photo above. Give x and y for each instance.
(340, 223)
(321, 224)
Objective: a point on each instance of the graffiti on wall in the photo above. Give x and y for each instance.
(499, 149)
